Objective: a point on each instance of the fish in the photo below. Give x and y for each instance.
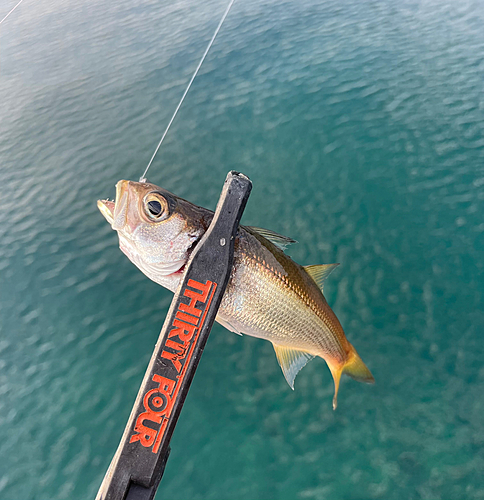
(268, 295)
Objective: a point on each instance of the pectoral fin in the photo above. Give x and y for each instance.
(291, 361)
(278, 239)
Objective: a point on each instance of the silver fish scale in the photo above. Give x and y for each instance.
(269, 296)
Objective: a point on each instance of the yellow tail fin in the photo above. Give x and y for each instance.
(354, 367)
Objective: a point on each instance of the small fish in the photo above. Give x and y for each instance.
(268, 295)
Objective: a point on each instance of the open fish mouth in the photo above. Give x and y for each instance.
(115, 212)
(106, 207)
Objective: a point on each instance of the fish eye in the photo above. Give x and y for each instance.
(155, 206)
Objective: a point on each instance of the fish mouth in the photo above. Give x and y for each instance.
(115, 212)
(106, 207)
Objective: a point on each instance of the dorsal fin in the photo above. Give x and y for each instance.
(320, 272)
(280, 241)
(291, 361)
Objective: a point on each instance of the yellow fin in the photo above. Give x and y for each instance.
(320, 272)
(336, 371)
(291, 361)
(355, 368)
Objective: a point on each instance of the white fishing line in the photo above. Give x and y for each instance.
(143, 177)
(11, 11)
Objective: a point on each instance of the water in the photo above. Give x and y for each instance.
(361, 124)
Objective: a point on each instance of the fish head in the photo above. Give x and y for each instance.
(157, 230)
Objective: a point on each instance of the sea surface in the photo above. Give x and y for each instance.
(361, 125)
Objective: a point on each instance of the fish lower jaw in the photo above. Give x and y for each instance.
(106, 207)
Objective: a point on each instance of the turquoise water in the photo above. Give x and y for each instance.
(361, 125)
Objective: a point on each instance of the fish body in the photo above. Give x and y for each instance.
(268, 295)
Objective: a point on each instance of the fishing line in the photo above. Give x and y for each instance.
(143, 177)
(11, 11)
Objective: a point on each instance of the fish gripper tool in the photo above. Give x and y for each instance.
(139, 462)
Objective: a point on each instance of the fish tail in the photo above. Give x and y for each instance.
(354, 367)
(336, 371)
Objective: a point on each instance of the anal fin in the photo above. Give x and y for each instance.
(291, 361)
